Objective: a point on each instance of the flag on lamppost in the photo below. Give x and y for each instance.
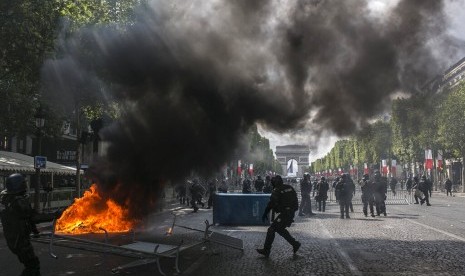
(384, 166)
(439, 160)
(365, 168)
(239, 167)
(428, 159)
(250, 169)
(394, 168)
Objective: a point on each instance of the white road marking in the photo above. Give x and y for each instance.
(437, 230)
(339, 249)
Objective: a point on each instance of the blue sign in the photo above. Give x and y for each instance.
(40, 162)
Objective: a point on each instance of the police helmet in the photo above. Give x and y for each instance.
(322, 178)
(366, 176)
(423, 177)
(277, 180)
(415, 178)
(15, 184)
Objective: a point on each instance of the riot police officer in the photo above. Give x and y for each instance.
(305, 189)
(344, 192)
(197, 191)
(322, 194)
(380, 190)
(424, 187)
(284, 202)
(19, 221)
(211, 192)
(246, 186)
(258, 184)
(268, 188)
(448, 186)
(367, 195)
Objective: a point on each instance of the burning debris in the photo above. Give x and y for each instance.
(193, 76)
(92, 213)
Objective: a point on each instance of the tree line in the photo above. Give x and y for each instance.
(422, 121)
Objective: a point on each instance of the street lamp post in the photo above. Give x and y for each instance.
(40, 122)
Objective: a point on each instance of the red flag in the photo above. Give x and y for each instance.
(251, 169)
(439, 160)
(394, 168)
(239, 167)
(428, 159)
(384, 166)
(365, 169)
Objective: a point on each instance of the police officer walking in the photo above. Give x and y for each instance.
(19, 221)
(305, 189)
(284, 202)
(424, 187)
(367, 195)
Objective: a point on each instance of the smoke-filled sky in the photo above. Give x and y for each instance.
(195, 75)
(454, 18)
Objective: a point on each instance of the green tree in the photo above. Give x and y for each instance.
(27, 31)
(451, 122)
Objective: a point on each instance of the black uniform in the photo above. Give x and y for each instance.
(258, 184)
(344, 192)
(380, 190)
(392, 185)
(448, 186)
(246, 186)
(305, 189)
(322, 194)
(211, 192)
(197, 192)
(368, 198)
(424, 186)
(18, 223)
(409, 184)
(268, 188)
(181, 193)
(284, 202)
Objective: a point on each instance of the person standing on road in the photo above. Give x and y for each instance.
(344, 193)
(19, 221)
(197, 192)
(380, 189)
(322, 194)
(335, 182)
(367, 195)
(305, 189)
(259, 184)
(409, 185)
(392, 185)
(246, 186)
(211, 192)
(424, 187)
(268, 188)
(283, 201)
(448, 186)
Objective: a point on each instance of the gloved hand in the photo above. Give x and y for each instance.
(265, 217)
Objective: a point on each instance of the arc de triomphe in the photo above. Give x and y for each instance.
(293, 159)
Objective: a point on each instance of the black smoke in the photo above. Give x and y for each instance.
(193, 76)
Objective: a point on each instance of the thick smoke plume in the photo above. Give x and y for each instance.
(195, 75)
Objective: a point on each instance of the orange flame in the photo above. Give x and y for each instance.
(91, 213)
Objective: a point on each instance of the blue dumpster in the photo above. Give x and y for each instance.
(239, 209)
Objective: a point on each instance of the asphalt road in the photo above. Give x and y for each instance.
(411, 240)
